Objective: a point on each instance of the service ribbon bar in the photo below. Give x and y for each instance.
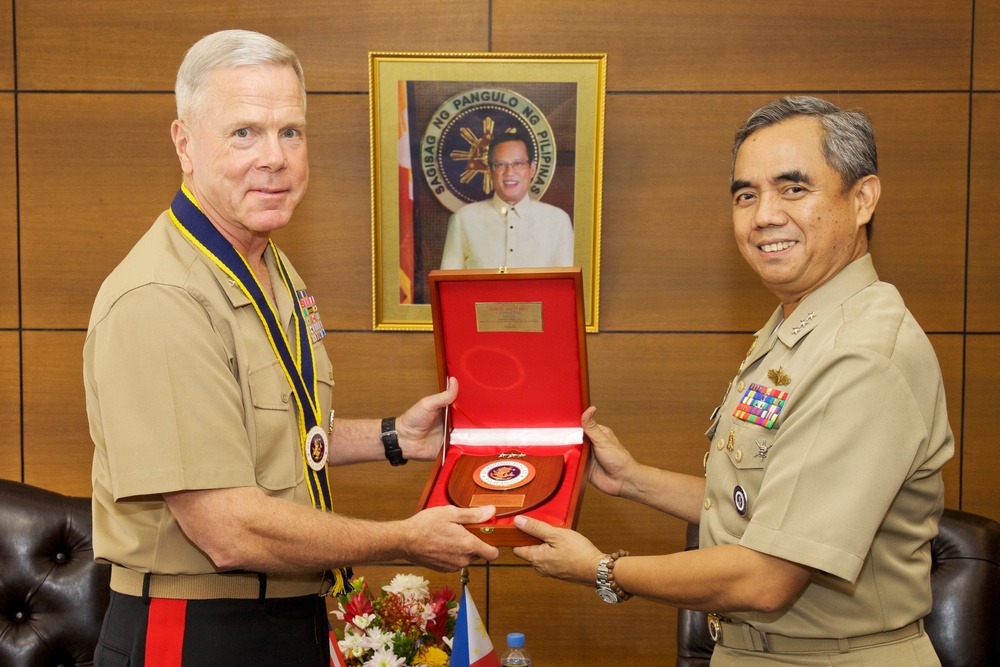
(760, 405)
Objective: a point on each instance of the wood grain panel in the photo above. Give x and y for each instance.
(330, 238)
(668, 261)
(984, 211)
(981, 458)
(7, 46)
(739, 46)
(10, 405)
(567, 624)
(93, 45)
(986, 68)
(57, 447)
(950, 349)
(919, 233)
(9, 288)
(88, 197)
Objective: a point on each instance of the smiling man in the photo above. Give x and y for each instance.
(822, 486)
(209, 394)
(510, 229)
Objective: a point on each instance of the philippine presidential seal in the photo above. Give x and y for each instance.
(453, 151)
(504, 474)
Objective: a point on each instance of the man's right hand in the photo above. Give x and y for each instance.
(437, 538)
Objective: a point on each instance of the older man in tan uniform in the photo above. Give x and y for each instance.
(209, 395)
(822, 486)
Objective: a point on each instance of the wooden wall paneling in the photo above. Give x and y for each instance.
(7, 46)
(10, 405)
(379, 375)
(58, 451)
(138, 45)
(567, 624)
(668, 258)
(919, 233)
(950, 349)
(9, 288)
(329, 240)
(696, 46)
(981, 458)
(986, 52)
(95, 170)
(984, 211)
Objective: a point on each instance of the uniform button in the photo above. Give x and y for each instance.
(739, 386)
(722, 443)
(284, 398)
(708, 503)
(704, 462)
(738, 455)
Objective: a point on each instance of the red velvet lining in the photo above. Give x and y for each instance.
(513, 379)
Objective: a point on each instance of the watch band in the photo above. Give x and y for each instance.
(607, 588)
(390, 440)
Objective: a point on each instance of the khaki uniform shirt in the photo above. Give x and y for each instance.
(184, 392)
(847, 478)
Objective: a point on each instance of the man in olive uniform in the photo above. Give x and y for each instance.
(822, 487)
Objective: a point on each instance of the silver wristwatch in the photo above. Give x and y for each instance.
(604, 589)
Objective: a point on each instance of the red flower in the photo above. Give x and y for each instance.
(358, 605)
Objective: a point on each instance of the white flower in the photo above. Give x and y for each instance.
(384, 658)
(353, 644)
(364, 620)
(410, 585)
(379, 638)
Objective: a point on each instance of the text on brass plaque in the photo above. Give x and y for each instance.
(508, 316)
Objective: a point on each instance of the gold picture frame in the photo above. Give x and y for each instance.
(432, 115)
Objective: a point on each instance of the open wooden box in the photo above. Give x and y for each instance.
(516, 343)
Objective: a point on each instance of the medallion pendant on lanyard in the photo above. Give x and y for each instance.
(298, 364)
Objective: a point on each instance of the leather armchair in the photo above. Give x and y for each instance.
(965, 581)
(52, 593)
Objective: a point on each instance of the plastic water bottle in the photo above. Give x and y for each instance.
(515, 655)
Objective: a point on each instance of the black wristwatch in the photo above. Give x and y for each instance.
(390, 440)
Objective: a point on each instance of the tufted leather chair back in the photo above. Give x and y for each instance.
(965, 581)
(52, 593)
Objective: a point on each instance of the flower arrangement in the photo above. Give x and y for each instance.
(406, 625)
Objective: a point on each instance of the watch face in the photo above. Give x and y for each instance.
(607, 595)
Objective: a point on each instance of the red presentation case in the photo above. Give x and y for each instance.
(516, 343)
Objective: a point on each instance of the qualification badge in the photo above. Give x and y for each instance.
(316, 448)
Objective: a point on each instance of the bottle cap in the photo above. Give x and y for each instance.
(515, 640)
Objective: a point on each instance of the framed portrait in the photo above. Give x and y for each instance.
(439, 202)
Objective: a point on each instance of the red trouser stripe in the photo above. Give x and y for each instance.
(165, 632)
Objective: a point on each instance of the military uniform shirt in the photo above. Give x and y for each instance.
(185, 392)
(847, 479)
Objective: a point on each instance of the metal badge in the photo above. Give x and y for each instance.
(779, 377)
(316, 448)
(762, 449)
(740, 500)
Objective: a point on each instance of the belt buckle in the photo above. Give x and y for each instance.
(715, 622)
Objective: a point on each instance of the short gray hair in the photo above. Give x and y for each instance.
(848, 136)
(228, 48)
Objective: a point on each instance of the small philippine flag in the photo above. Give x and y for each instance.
(472, 646)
